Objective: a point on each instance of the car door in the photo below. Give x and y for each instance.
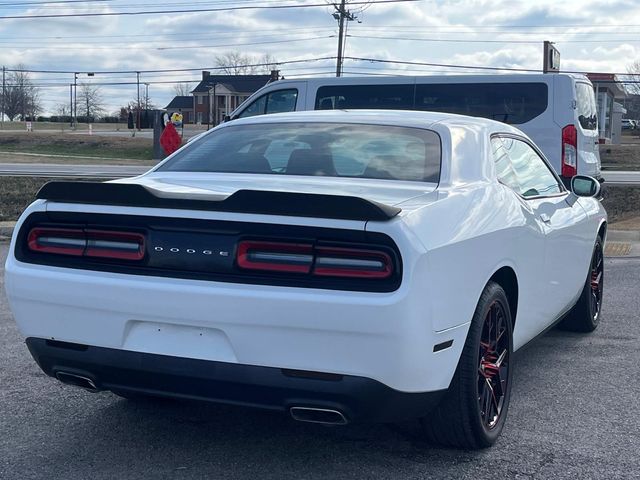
(563, 221)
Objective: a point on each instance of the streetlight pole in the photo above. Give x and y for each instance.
(4, 92)
(146, 97)
(75, 100)
(138, 81)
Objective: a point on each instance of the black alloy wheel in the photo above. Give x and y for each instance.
(493, 365)
(587, 312)
(473, 411)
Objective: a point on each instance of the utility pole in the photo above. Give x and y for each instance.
(4, 92)
(341, 14)
(138, 76)
(75, 100)
(71, 104)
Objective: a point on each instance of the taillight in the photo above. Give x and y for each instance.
(87, 243)
(62, 241)
(569, 151)
(315, 260)
(275, 256)
(351, 262)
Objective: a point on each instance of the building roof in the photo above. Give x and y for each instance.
(235, 83)
(180, 102)
(609, 81)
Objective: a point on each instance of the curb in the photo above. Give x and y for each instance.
(6, 229)
(623, 235)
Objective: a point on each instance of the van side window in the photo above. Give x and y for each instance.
(398, 97)
(277, 101)
(586, 106)
(519, 167)
(513, 103)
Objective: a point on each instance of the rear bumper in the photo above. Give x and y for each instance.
(357, 398)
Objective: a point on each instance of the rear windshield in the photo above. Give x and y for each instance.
(317, 149)
(513, 103)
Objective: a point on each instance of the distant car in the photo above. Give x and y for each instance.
(628, 124)
(339, 266)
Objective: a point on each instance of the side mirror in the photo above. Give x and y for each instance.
(585, 186)
(226, 118)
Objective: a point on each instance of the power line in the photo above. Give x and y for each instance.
(187, 47)
(457, 40)
(14, 4)
(170, 70)
(196, 10)
(476, 67)
(171, 47)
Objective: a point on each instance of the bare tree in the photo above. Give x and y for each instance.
(633, 70)
(22, 98)
(90, 100)
(237, 63)
(62, 109)
(182, 89)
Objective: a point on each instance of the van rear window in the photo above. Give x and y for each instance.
(513, 103)
(586, 105)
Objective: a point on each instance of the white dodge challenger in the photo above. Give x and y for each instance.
(339, 266)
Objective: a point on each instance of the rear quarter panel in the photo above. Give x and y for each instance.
(468, 234)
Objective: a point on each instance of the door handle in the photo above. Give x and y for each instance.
(545, 218)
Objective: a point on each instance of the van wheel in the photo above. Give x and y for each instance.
(585, 315)
(473, 411)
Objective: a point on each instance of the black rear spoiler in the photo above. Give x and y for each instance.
(243, 201)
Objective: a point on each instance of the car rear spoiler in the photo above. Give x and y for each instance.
(243, 201)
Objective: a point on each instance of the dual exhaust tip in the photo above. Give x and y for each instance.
(324, 416)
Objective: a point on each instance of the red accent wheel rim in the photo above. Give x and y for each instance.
(493, 365)
(597, 271)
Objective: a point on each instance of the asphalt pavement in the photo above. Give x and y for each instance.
(574, 414)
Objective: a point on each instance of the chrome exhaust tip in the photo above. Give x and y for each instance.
(324, 416)
(76, 380)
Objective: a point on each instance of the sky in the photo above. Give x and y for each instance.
(592, 36)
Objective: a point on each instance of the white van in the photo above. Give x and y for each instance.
(558, 111)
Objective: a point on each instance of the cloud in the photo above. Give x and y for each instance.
(133, 43)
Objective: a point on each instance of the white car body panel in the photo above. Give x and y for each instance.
(452, 239)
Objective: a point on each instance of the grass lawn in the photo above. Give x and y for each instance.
(16, 193)
(52, 143)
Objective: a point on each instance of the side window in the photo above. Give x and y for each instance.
(512, 103)
(586, 106)
(282, 101)
(256, 108)
(273, 102)
(520, 167)
(398, 97)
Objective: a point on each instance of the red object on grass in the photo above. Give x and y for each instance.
(170, 139)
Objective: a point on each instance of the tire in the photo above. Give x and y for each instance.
(484, 367)
(585, 315)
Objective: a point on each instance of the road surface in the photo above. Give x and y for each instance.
(60, 170)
